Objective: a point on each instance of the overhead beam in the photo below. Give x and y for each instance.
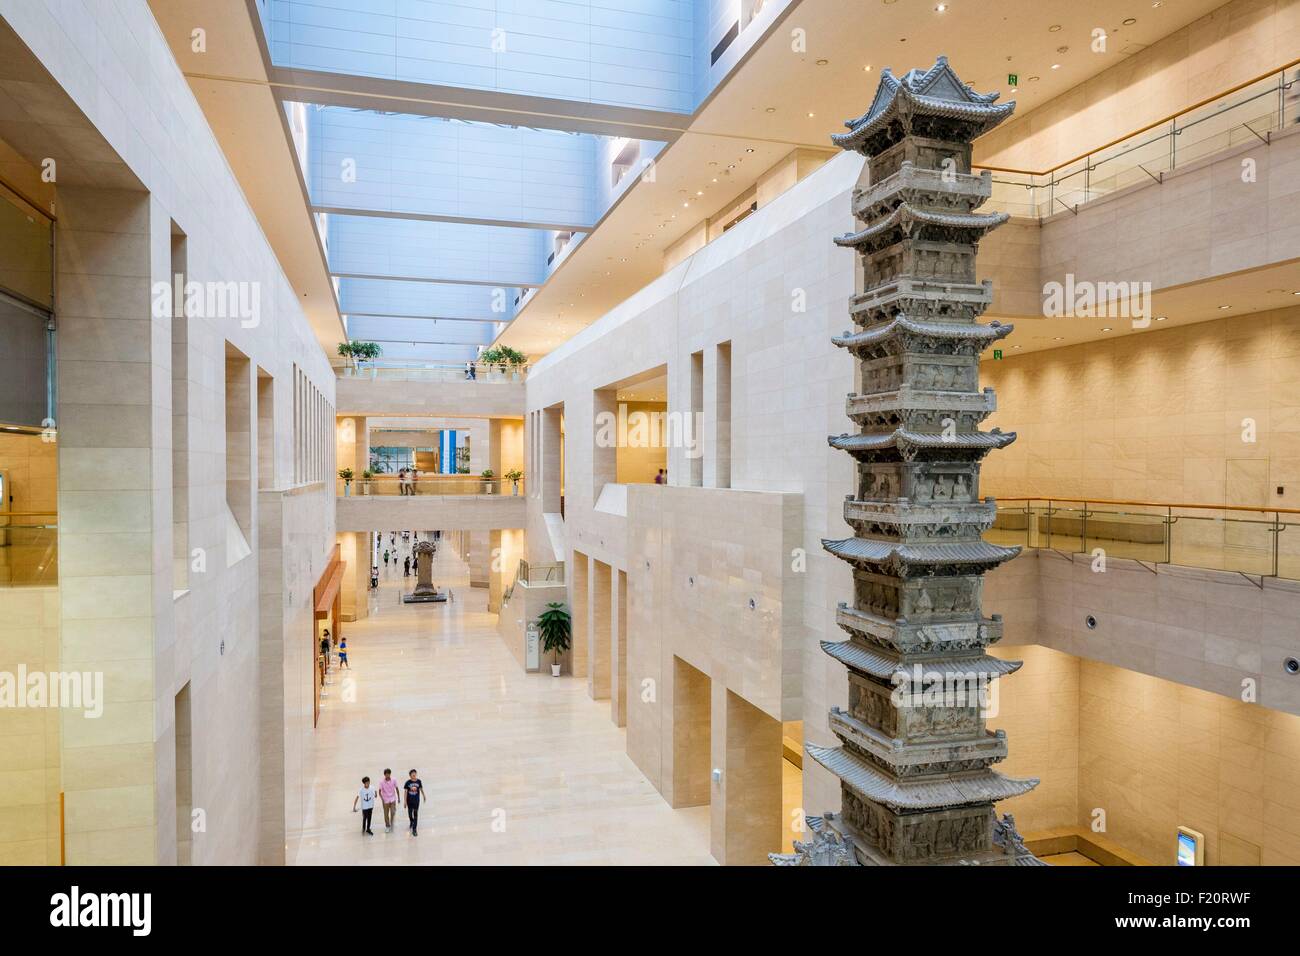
(506, 284)
(425, 318)
(485, 106)
(466, 220)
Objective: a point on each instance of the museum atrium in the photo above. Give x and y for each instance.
(855, 432)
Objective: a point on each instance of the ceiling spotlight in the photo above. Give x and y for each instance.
(1015, 346)
(1107, 329)
(1128, 22)
(1014, 90)
(1059, 338)
(867, 68)
(1157, 3)
(1225, 307)
(686, 205)
(749, 149)
(822, 62)
(771, 109)
(1033, 79)
(1054, 28)
(811, 115)
(1056, 66)
(699, 192)
(940, 8)
(715, 179)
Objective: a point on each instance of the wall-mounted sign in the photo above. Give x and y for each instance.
(997, 353)
(1191, 847)
(532, 649)
(1013, 79)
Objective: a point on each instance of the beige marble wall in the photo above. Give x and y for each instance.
(1155, 415)
(29, 738)
(477, 513)
(1228, 769)
(119, 613)
(361, 396)
(1240, 40)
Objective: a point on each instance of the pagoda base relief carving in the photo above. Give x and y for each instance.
(915, 760)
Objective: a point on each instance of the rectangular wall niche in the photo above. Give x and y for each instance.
(238, 393)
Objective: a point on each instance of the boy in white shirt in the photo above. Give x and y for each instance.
(366, 797)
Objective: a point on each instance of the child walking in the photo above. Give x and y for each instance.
(366, 797)
(343, 653)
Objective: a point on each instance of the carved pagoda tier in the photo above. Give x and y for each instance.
(915, 759)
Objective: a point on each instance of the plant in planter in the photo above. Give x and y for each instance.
(513, 476)
(556, 629)
(346, 475)
(367, 476)
(487, 475)
(360, 352)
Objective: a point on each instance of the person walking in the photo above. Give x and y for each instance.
(325, 649)
(388, 797)
(385, 557)
(412, 477)
(406, 567)
(374, 577)
(343, 653)
(401, 481)
(366, 797)
(414, 790)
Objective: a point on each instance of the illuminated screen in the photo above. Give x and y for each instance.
(1186, 850)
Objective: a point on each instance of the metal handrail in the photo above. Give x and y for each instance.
(1172, 117)
(1082, 190)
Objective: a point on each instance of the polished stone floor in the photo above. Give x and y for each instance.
(518, 768)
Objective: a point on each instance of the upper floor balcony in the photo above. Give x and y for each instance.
(467, 390)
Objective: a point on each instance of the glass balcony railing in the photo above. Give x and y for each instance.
(1263, 542)
(474, 372)
(533, 573)
(1249, 113)
(386, 486)
(29, 549)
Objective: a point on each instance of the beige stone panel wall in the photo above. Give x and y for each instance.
(600, 652)
(747, 821)
(1038, 707)
(1233, 44)
(1209, 762)
(29, 737)
(579, 582)
(361, 396)
(477, 513)
(638, 461)
(1153, 416)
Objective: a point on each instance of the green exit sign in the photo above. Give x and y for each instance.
(997, 353)
(1013, 79)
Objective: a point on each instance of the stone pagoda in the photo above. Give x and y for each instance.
(915, 761)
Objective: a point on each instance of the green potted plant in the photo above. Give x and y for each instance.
(359, 352)
(513, 476)
(367, 476)
(346, 475)
(487, 475)
(555, 628)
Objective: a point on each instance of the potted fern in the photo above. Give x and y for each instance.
(346, 475)
(487, 475)
(367, 477)
(513, 476)
(555, 628)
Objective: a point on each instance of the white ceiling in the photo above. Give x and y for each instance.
(625, 251)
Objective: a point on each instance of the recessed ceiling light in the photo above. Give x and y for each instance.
(1033, 79)
(699, 192)
(715, 179)
(811, 115)
(822, 62)
(686, 205)
(1106, 329)
(867, 68)
(1014, 90)
(1161, 318)
(771, 109)
(1054, 28)
(1225, 307)
(1059, 338)
(1129, 21)
(749, 149)
(1056, 66)
(940, 8)
(1015, 346)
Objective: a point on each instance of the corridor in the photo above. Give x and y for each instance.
(518, 768)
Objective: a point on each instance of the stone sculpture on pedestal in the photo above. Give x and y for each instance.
(915, 761)
(424, 589)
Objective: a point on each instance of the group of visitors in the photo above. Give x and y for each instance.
(406, 479)
(411, 791)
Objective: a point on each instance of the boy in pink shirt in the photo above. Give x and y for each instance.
(388, 796)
